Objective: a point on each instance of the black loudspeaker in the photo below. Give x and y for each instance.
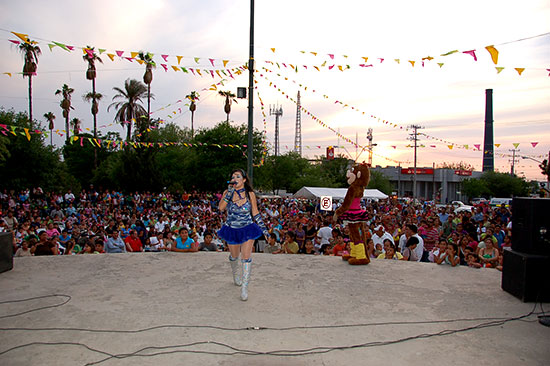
(526, 276)
(6, 252)
(530, 225)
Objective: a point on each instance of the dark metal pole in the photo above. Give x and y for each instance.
(251, 94)
(488, 144)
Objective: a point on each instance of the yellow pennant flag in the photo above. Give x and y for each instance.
(412, 63)
(494, 53)
(8, 73)
(466, 147)
(22, 36)
(27, 134)
(218, 73)
(225, 62)
(197, 59)
(175, 68)
(140, 61)
(519, 69)
(316, 68)
(440, 64)
(111, 56)
(75, 138)
(516, 144)
(324, 64)
(198, 72)
(497, 145)
(450, 147)
(134, 54)
(179, 59)
(313, 53)
(397, 60)
(499, 69)
(273, 50)
(340, 67)
(366, 59)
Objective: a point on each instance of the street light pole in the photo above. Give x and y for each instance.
(251, 95)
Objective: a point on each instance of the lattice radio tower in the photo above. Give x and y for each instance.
(298, 135)
(278, 112)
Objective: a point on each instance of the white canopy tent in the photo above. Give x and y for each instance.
(335, 193)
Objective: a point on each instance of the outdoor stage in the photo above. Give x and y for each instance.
(123, 292)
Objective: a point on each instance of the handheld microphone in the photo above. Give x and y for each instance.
(232, 182)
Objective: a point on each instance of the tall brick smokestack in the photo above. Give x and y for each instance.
(488, 144)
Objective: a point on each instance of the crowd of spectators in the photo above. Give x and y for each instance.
(95, 222)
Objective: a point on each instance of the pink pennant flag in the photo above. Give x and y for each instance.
(129, 59)
(211, 61)
(331, 56)
(119, 53)
(534, 144)
(164, 66)
(478, 146)
(71, 48)
(471, 53)
(548, 71)
(433, 146)
(193, 71)
(165, 57)
(381, 60)
(16, 42)
(395, 147)
(212, 73)
(330, 67)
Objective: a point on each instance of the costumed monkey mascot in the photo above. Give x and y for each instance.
(352, 214)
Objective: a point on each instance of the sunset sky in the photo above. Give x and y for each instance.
(446, 96)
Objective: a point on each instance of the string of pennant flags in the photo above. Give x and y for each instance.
(329, 59)
(321, 122)
(449, 144)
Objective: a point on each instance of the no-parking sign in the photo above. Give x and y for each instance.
(326, 203)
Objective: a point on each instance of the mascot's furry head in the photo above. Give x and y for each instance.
(359, 175)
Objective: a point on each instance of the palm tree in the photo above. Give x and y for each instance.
(229, 99)
(30, 54)
(193, 97)
(75, 124)
(65, 104)
(148, 76)
(91, 57)
(50, 117)
(95, 98)
(129, 108)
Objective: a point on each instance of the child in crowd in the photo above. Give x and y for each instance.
(390, 252)
(471, 260)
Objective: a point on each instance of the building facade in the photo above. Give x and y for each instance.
(442, 185)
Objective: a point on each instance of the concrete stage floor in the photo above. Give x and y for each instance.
(137, 291)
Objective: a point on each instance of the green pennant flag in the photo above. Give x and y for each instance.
(62, 46)
(184, 69)
(449, 53)
(51, 46)
(101, 50)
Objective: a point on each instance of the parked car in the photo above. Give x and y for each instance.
(479, 201)
(494, 202)
(457, 206)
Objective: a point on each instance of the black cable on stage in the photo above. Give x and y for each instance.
(68, 298)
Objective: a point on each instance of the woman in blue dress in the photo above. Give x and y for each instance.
(244, 225)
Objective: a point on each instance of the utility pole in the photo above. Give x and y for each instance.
(414, 137)
(298, 134)
(251, 96)
(278, 112)
(513, 160)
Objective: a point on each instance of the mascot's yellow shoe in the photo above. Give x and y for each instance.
(347, 256)
(360, 256)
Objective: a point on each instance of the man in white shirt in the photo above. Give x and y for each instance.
(412, 230)
(380, 234)
(323, 235)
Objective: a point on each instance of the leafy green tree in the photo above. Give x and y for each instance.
(493, 184)
(474, 187)
(65, 105)
(30, 52)
(128, 104)
(379, 181)
(42, 164)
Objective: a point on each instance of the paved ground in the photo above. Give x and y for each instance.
(137, 291)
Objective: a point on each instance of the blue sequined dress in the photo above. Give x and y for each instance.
(239, 226)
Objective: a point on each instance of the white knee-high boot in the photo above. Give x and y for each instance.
(235, 269)
(247, 264)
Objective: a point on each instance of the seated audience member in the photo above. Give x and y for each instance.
(371, 249)
(133, 244)
(391, 253)
(437, 255)
(115, 244)
(308, 247)
(472, 261)
(272, 246)
(24, 251)
(184, 243)
(290, 246)
(89, 248)
(325, 249)
(99, 246)
(340, 246)
(451, 256)
(208, 245)
(488, 256)
(71, 247)
(409, 253)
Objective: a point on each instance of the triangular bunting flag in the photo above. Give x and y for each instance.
(471, 53)
(164, 66)
(51, 45)
(140, 61)
(134, 54)
(440, 64)
(211, 61)
(497, 145)
(450, 147)
(397, 60)
(119, 53)
(449, 53)
(101, 50)
(179, 59)
(273, 50)
(519, 70)
(62, 46)
(516, 144)
(225, 62)
(197, 59)
(494, 53)
(165, 57)
(412, 62)
(466, 147)
(22, 36)
(478, 146)
(499, 69)
(175, 68)
(534, 144)
(8, 73)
